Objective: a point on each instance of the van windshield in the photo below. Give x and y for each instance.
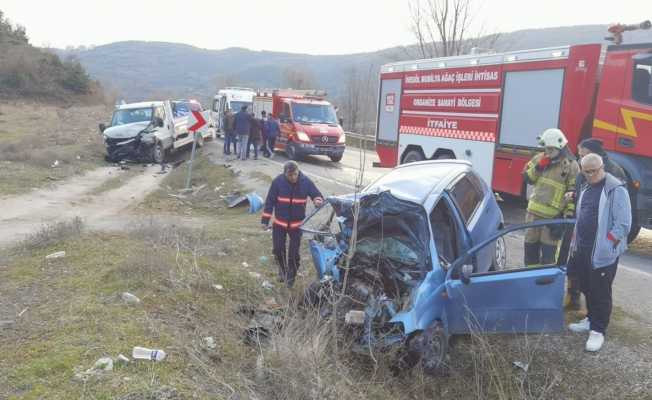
(131, 115)
(314, 113)
(237, 105)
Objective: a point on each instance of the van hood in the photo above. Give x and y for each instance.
(319, 129)
(125, 131)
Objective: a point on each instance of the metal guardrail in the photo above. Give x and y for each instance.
(360, 140)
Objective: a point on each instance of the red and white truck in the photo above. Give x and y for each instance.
(309, 124)
(489, 109)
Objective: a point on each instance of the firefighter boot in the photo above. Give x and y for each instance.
(548, 254)
(532, 251)
(282, 269)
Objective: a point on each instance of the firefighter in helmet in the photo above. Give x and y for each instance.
(552, 173)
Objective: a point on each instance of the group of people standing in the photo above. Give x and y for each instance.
(594, 192)
(243, 130)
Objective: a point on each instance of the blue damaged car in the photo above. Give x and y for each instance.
(426, 257)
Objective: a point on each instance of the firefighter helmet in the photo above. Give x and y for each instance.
(553, 137)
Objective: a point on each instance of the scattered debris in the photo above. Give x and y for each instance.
(20, 314)
(104, 364)
(221, 254)
(199, 189)
(55, 164)
(58, 254)
(122, 359)
(354, 317)
(52, 178)
(262, 324)
(267, 285)
(521, 365)
(254, 201)
(124, 167)
(217, 287)
(245, 264)
(78, 157)
(263, 260)
(255, 275)
(143, 353)
(129, 298)
(209, 342)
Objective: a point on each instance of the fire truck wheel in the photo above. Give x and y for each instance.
(412, 156)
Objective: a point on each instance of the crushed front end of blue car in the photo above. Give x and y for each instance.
(376, 272)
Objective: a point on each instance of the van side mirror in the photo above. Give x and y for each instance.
(467, 270)
(102, 127)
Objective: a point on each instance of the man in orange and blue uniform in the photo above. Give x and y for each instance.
(286, 202)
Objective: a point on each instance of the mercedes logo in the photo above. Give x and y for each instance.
(324, 139)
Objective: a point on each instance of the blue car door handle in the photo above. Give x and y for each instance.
(545, 280)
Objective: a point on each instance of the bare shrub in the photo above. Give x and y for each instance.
(52, 234)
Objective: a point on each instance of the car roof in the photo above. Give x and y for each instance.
(416, 181)
(144, 104)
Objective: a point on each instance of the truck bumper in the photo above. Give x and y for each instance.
(305, 149)
(127, 149)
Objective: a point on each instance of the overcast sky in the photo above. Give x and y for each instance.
(302, 26)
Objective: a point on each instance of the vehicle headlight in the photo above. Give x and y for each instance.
(342, 139)
(303, 136)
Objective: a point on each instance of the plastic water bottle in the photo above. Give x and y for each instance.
(143, 353)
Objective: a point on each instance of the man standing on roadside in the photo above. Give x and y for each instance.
(254, 135)
(586, 147)
(263, 129)
(604, 219)
(242, 126)
(229, 137)
(273, 130)
(286, 202)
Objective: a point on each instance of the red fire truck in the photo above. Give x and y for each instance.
(308, 122)
(489, 109)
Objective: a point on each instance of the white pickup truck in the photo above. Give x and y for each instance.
(149, 131)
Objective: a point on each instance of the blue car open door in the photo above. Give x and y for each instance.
(514, 299)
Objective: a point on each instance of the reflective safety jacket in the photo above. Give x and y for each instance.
(287, 202)
(550, 185)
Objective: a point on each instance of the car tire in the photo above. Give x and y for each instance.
(158, 153)
(291, 151)
(337, 158)
(434, 350)
(412, 156)
(499, 260)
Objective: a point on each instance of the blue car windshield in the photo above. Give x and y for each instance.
(129, 116)
(314, 113)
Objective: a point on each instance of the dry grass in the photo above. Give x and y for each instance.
(35, 136)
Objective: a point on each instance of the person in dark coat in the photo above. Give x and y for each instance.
(255, 136)
(264, 127)
(229, 137)
(286, 202)
(242, 126)
(273, 131)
